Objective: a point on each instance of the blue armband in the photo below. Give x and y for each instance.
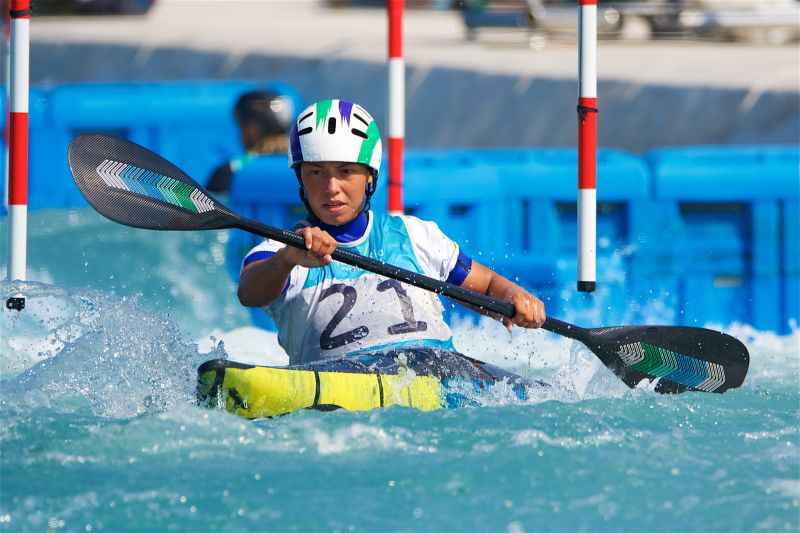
(257, 256)
(461, 269)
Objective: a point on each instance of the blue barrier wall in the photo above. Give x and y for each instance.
(733, 226)
(703, 234)
(189, 123)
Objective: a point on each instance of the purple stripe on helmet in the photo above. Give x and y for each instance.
(294, 144)
(345, 108)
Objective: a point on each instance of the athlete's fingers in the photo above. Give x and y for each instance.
(534, 315)
(318, 247)
(522, 306)
(317, 242)
(539, 313)
(308, 236)
(529, 310)
(328, 243)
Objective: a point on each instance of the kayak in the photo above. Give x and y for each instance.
(423, 379)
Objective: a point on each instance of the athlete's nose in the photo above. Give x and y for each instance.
(332, 184)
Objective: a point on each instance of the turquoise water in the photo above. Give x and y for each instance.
(98, 430)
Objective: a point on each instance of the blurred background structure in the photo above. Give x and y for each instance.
(698, 184)
(652, 90)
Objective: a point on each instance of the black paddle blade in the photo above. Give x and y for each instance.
(133, 186)
(682, 358)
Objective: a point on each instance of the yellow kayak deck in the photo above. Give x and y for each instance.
(253, 391)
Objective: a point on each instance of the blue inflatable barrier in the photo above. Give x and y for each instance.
(189, 123)
(728, 233)
(790, 273)
(535, 230)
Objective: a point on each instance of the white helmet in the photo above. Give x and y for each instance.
(335, 130)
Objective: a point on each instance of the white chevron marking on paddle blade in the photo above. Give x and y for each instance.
(202, 202)
(109, 171)
(715, 379)
(166, 186)
(631, 353)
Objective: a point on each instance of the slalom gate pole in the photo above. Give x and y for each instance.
(587, 146)
(6, 93)
(18, 182)
(397, 90)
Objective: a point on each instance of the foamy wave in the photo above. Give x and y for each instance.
(103, 352)
(536, 438)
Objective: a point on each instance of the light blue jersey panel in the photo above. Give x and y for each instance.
(337, 309)
(386, 240)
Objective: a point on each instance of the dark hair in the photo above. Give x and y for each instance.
(272, 112)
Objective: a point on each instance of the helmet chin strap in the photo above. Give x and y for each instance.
(369, 190)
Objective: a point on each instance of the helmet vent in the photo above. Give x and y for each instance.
(359, 133)
(359, 117)
(331, 125)
(305, 117)
(305, 131)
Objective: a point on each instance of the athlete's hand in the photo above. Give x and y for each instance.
(319, 247)
(530, 310)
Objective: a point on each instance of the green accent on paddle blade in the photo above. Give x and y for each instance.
(657, 362)
(184, 192)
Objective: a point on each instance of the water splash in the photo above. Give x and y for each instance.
(100, 352)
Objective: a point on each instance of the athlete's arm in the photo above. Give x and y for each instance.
(530, 309)
(261, 282)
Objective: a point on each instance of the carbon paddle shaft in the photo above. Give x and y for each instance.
(455, 292)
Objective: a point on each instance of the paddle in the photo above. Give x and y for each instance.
(133, 186)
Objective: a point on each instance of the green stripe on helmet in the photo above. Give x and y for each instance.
(368, 145)
(323, 108)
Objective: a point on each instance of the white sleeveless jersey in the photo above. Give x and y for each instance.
(337, 309)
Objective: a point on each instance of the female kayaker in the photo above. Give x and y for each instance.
(326, 309)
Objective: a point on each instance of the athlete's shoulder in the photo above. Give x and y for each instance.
(435, 252)
(264, 250)
(421, 230)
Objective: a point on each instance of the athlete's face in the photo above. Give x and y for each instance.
(335, 191)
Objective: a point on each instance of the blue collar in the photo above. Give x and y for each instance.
(348, 232)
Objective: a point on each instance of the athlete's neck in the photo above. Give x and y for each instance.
(347, 232)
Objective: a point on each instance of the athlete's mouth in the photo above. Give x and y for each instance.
(333, 206)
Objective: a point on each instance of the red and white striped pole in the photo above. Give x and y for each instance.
(18, 181)
(6, 93)
(587, 146)
(397, 95)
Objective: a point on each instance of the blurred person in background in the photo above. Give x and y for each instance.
(264, 118)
